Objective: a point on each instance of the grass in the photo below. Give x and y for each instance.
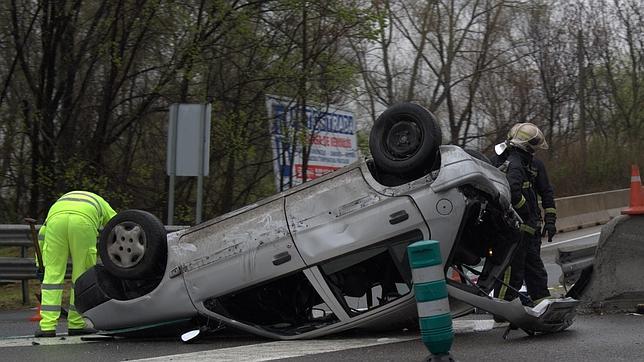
(11, 295)
(14, 251)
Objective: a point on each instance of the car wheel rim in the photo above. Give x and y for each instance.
(403, 140)
(126, 244)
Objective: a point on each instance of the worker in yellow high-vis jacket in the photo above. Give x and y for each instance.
(71, 228)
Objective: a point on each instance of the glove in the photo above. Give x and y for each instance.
(549, 226)
(40, 274)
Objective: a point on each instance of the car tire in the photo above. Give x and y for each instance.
(405, 139)
(133, 245)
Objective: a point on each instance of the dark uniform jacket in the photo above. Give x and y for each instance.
(542, 187)
(527, 178)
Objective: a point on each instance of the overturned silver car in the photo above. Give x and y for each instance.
(326, 256)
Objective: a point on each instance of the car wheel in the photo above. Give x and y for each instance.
(405, 139)
(133, 245)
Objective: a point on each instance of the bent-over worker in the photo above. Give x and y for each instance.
(71, 228)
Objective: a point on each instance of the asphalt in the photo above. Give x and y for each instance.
(590, 338)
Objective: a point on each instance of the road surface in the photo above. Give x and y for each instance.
(591, 338)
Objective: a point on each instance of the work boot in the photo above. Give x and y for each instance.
(80, 331)
(40, 333)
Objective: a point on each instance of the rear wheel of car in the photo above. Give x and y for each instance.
(405, 139)
(133, 245)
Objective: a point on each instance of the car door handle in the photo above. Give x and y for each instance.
(398, 217)
(281, 258)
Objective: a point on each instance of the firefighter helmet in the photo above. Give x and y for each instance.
(527, 137)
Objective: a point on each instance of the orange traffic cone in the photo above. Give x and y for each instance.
(636, 201)
(36, 317)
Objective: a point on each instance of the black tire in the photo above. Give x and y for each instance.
(133, 245)
(405, 139)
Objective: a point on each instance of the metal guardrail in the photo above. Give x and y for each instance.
(23, 268)
(573, 260)
(16, 235)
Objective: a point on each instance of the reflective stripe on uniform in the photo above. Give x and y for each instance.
(550, 210)
(528, 229)
(72, 307)
(521, 202)
(98, 208)
(527, 184)
(506, 281)
(41, 237)
(98, 203)
(50, 308)
(52, 286)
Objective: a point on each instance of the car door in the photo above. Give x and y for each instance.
(234, 252)
(354, 239)
(345, 214)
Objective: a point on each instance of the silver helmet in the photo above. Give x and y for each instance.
(527, 137)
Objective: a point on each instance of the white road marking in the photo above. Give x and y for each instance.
(23, 341)
(288, 349)
(472, 325)
(569, 240)
(282, 349)
(263, 351)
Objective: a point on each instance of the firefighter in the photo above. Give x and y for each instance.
(528, 179)
(71, 228)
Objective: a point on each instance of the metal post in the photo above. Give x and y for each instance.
(25, 282)
(200, 174)
(431, 297)
(172, 129)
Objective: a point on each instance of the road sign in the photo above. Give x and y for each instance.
(188, 148)
(330, 134)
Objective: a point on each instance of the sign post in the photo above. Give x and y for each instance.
(188, 149)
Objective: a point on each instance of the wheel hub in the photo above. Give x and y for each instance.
(126, 244)
(403, 139)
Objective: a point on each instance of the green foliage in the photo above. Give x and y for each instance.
(608, 168)
(79, 174)
(87, 101)
(363, 143)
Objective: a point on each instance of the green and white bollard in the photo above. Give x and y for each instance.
(431, 296)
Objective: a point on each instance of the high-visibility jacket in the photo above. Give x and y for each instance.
(70, 230)
(83, 203)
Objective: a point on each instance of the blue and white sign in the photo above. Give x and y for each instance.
(330, 134)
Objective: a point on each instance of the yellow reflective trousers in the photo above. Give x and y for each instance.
(67, 234)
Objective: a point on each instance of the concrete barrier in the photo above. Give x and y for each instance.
(616, 284)
(577, 212)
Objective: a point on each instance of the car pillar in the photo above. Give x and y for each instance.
(431, 297)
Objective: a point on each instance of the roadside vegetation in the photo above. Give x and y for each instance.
(85, 87)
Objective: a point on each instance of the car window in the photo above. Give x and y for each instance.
(373, 276)
(287, 305)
